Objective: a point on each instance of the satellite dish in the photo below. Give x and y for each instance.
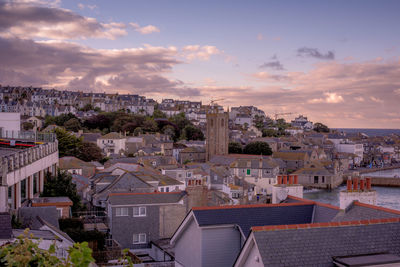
(281, 194)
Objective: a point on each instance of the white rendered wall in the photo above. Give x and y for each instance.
(367, 197)
(10, 121)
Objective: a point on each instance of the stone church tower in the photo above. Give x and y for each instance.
(217, 133)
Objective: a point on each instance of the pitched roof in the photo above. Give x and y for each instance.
(112, 135)
(290, 155)
(247, 216)
(317, 244)
(145, 198)
(69, 162)
(5, 225)
(29, 216)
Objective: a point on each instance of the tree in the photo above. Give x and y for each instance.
(258, 122)
(191, 132)
(159, 114)
(61, 185)
(257, 148)
(169, 130)
(235, 148)
(269, 133)
(319, 127)
(89, 152)
(73, 125)
(27, 126)
(137, 131)
(100, 121)
(68, 144)
(63, 118)
(149, 125)
(26, 252)
(87, 107)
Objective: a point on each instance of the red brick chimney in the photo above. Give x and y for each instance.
(296, 179)
(362, 184)
(355, 183)
(368, 179)
(349, 184)
(279, 179)
(284, 179)
(290, 179)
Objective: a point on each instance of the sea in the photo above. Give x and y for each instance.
(369, 132)
(388, 197)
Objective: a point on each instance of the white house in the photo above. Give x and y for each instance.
(112, 143)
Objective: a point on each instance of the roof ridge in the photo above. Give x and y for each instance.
(324, 225)
(376, 207)
(253, 206)
(129, 193)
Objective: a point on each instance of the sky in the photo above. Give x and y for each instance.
(336, 62)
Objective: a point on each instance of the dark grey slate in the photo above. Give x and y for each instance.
(317, 246)
(5, 225)
(145, 198)
(28, 216)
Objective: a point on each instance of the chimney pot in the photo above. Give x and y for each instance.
(279, 179)
(348, 184)
(296, 179)
(284, 179)
(290, 179)
(368, 179)
(355, 183)
(362, 184)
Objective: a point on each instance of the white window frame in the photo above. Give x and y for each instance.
(139, 238)
(120, 213)
(139, 212)
(60, 212)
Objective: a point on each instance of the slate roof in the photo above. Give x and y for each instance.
(28, 216)
(145, 198)
(69, 162)
(267, 163)
(37, 234)
(317, 244)
(293, 155)
(5, 225)
(248, 216)
(112, 135)
(361, 211)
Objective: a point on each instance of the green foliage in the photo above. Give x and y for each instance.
(73, 223)
(80, 255)
(73, 125)
(26, 252)
(169, 130)
(15, 222)
(137, 131)
(149, 125)
(61, 185)
(79, 235)
(27, 126)
(259, 122)
(89, 152)
(87, 107)
(68, 144)
(257, 148)
(191, 132)
(159, 114)
(235, 148)
(321, 128)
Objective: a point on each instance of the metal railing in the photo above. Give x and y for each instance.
(28, 136)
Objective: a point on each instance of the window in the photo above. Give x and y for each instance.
(323, 179)
(189, 174)
(162, 189)
(139, 238)
(139, 211)
(315, 179)
(167, 189)
(248, 171)
(121, 212)
(215, 177)
(59, 212)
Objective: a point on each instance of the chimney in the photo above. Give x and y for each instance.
(348, 184)
(284, 179)
(355, 183)
(362, 184)
(279, 179)
(368, 179)
(296, 179)
(290, 179)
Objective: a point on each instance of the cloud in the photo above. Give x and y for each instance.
(332, 98)
(82, 6)
(313, 52)
(30, 21)
(260, 37)
(202, 53)
(376, 100)
(359, 99)
(144, 30)
(397, 91)
(276, 65)
(71, 66)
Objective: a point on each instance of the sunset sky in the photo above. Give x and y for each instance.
(337, 62)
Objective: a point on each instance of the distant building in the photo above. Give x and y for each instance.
(217, 134)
